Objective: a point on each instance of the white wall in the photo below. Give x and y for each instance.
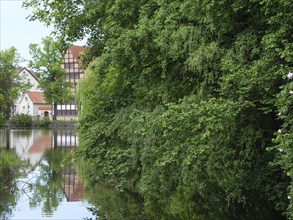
(41, 113)
(26, 76)
(25, 106)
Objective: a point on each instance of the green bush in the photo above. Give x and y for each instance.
(43, 123)
(21, 120)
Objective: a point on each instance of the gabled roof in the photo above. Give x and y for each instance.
(36, 97)
(19, 69)
(76, 51)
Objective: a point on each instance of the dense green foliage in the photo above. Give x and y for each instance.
(21, 121)
(182, 100)
(43, 122)
(10, 82)
(284, 139)
(47, 61)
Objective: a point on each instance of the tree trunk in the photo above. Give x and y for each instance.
(55, 111)
(55, 134)
(7, 133)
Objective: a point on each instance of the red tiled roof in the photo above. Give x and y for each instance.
(76, 50)
(36, 97)
(45, 107)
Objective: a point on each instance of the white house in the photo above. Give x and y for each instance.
(27, 76)
(31, 102)
(30, 77)
(34, 104)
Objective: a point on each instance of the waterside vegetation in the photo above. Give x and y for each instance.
(186, 103)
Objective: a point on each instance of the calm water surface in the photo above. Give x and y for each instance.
(35, 182)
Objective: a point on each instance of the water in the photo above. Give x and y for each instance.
(38, 181)
(35, 182)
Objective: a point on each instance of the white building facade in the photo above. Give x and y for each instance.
(32, 102)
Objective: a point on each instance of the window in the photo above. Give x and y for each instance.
(69, 65)
(77, 75)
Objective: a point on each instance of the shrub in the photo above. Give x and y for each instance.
(43, 123)
(21, 120)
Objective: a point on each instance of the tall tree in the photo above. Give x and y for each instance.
(10, 82)
(46, 59)
(179, 104)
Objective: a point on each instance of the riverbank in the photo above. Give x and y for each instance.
(51, 124)
(62, 124)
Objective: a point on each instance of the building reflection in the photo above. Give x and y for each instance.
(30, 145)
(66, 140)
(33, 145)
(73, 187)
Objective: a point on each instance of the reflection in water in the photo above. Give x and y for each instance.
(64, 141)
(73, 188)
(30, 145)
(116, 205)
(9, 165)
(50, 188)
(4, 138)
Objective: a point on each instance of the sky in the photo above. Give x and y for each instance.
(17, 31)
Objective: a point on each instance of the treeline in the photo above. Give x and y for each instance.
(188, 103)
(11, 84)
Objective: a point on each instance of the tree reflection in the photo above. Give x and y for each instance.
(47, 189)
(46, 178)
(111, 204)
(108, 202)
(10, 165)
